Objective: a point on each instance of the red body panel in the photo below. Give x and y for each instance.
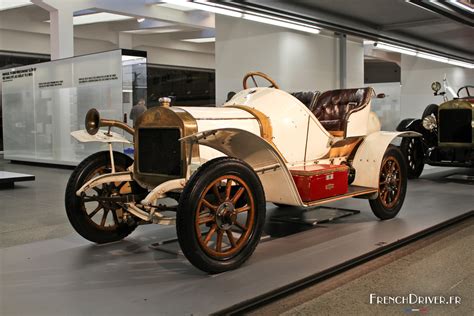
(320, 181)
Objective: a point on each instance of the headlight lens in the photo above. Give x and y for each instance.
(429, 122)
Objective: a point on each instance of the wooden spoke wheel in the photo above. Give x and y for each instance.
(220, 215)
(222, 227)
(390, 182)
(392, 185)
(103, 214)
(92, 216)
(412, 150)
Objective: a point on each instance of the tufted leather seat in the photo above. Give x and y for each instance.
(334, 107)
(308, 98)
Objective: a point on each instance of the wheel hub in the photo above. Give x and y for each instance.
(391, 182)
(226, 215)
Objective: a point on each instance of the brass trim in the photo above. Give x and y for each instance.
(114, 123)
(164, 117)
(191, 127)
(337, 133)
(344, 147)
(266, 130)
(224, 118)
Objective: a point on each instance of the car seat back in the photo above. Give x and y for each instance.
(333, 108)
(308, 98)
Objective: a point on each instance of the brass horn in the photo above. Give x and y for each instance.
(94, 122)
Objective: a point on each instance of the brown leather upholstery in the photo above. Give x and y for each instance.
(334, 107)
(308, 98)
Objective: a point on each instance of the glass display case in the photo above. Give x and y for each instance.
(43, 103)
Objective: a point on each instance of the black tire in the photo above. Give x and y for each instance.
(76, 208)
(412, 150)
(388, 204)
(199, 198)
(430, 109)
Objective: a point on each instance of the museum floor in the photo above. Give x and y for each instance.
(33, 210)
(438, 265)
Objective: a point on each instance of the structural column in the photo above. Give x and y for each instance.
(342, 61)
(61, 27)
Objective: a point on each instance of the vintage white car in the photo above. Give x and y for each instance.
(222, 165)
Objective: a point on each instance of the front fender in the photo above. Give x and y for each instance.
(410, 124)
(102, 136)
(368, 158)
(261, 155)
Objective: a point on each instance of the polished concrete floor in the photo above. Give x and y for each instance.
(438, 265)
(33, 210)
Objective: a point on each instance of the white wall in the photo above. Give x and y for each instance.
(19, 41)
(355, 64)
(418, 74)
(297, 61)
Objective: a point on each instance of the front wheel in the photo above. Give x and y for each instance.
(392, 185)
(96, 219)
(220, 215)
(412, 150)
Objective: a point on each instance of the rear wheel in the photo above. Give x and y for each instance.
(412, 150)
(221, 215)
(99, 221)
(392, 185)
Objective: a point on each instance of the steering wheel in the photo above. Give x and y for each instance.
(254, 74)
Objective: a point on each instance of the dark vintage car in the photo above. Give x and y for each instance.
(447, 132)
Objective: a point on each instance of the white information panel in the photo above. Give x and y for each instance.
(44, 103)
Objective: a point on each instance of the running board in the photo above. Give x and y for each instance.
(353, 191)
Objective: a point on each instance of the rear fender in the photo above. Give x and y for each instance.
(261, 155)
(368, 158)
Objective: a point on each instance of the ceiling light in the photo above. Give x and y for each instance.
(98, 18)
(155, 31)
(200, 40)
(10, 4)
(462, 6)
(412, 52)
(460, 63)
(176, 7)
(432, 57)
(220, 9)
(208, 6)
(129, 58)
(283, 23)
(396, 49)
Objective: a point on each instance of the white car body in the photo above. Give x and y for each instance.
(298, 139)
